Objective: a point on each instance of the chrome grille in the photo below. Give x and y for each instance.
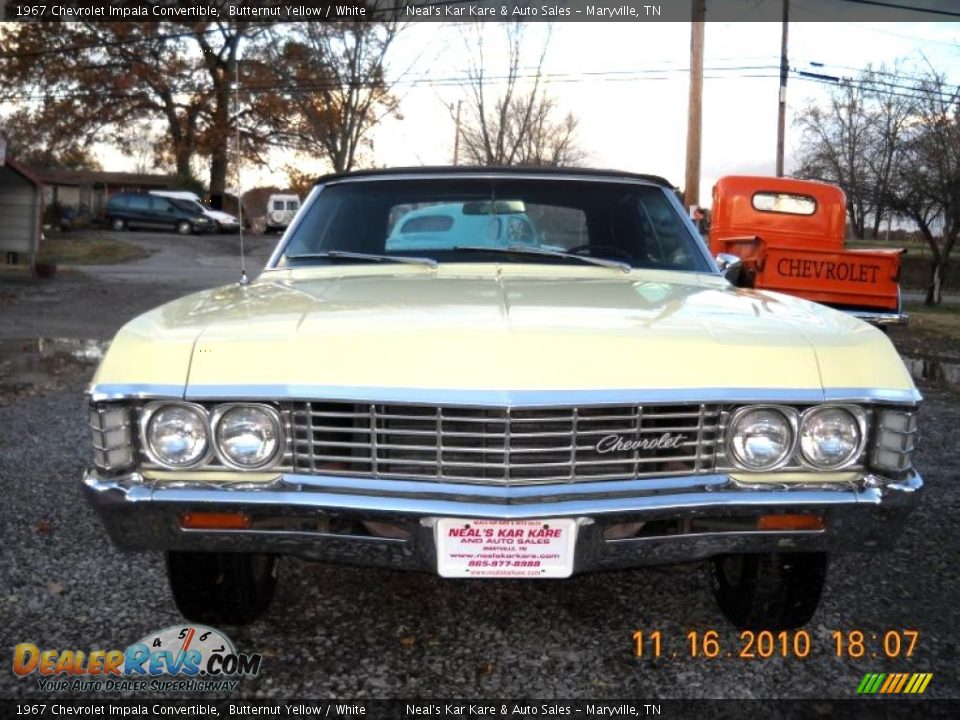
(503, 445)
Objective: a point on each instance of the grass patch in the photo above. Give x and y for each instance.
(944, 308)
(942, 320)
(64, 250)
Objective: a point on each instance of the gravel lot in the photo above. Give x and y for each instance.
(338, 632)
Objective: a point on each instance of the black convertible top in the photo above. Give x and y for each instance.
(487, 169)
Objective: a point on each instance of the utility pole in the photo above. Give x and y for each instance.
(784, 69)
(691, 184)
(456, 137)
(244, 280)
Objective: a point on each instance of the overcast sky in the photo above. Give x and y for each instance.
(628, 84)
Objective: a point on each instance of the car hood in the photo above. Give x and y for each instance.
(221, 216)
(504, 332)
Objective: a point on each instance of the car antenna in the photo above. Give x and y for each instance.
(244, 280)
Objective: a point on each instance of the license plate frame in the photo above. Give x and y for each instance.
(495, 549)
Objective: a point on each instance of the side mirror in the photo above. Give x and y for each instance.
(730, 265)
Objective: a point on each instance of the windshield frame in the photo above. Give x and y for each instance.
(276, 258)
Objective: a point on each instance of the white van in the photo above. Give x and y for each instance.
(281, 210)
(225, 221)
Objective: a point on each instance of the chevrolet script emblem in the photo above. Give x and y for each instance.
(617, 443)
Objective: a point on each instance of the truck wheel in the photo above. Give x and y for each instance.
(768, 591)
(118, 224)
(184, 227)
(222, 588)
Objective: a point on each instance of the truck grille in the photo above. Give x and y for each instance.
(501, 445)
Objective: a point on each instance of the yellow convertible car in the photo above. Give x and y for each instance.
(500, 373)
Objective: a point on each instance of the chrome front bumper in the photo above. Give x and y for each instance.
(881, 318)
(318, 517)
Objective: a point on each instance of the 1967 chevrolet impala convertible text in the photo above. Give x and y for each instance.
(491, 373)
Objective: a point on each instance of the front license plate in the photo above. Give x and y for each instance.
(505, 548)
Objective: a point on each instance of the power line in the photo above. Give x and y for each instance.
(869, 28)
(258, 88)
(897, 6)
(882, 73)
(268, 86)
(916, 94)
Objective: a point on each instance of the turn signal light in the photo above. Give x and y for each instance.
(791, 522)
(214, 521)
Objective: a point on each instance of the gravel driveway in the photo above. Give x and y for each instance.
(348, 632)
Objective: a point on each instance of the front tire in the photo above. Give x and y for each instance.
(184, 227)
(222, 588)
(768, 591)
(118, 224)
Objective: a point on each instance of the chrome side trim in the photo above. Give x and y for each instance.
(134, 391)
(547, 398)
(502, 398)
(873, 395)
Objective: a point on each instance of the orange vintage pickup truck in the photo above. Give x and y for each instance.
(789, 236)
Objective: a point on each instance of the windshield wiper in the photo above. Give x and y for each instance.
(365, 257)
(523, 250)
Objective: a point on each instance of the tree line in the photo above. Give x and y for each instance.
(316, 88)
(892, 142)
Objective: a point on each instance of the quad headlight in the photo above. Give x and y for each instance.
(247, 436)
(180, 435)
(770, 437)
(761, 438)
(830, 437)
(176, 435)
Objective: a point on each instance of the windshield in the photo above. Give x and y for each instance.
(188, 205)
(495, 220)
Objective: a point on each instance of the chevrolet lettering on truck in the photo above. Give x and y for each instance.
(500, 373)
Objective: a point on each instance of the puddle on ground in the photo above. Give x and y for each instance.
(40, 364)
(933, 370)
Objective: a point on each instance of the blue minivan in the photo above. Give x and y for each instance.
(151, 211)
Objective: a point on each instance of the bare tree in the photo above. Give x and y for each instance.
(855, 142)
(517, 125)
(890, 113)
(927, 181)
(834, 147)
(332, 87)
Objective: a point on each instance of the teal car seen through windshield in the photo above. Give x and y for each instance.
(470, 224)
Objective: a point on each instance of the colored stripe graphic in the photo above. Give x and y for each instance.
(903, 681)
(894, 683)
